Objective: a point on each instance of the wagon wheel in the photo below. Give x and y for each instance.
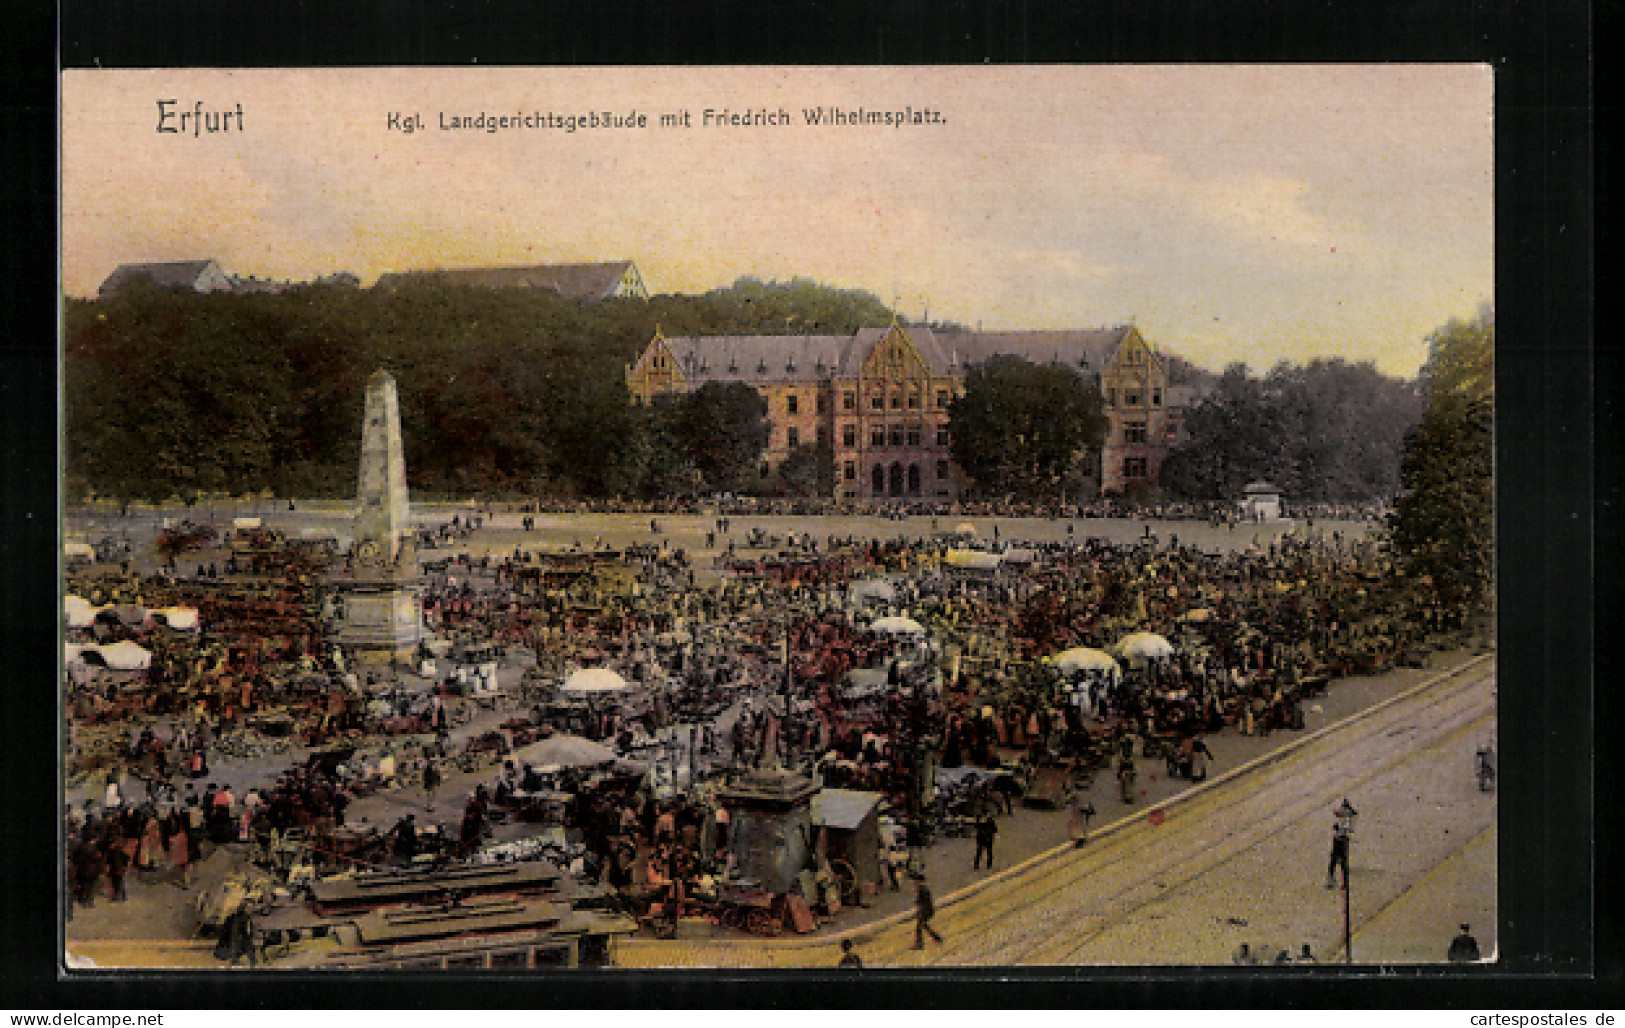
(847, 877)
(761, 922)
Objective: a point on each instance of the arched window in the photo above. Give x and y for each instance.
(914, 480)
(896, 479)
(879, 480)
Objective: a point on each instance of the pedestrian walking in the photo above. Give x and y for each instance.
(431, 782)
(1340, 853)
(986, 829)
(924, 910)
(1464, 948)
(849, 959)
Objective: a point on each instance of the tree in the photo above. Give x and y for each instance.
(1328, 431)
(1444, 520)
(808, 471)
(726, 428)
(1021, 430)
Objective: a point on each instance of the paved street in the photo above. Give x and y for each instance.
(1239, 860)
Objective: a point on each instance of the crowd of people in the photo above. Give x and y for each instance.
(778, 660)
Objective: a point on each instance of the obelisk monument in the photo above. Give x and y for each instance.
(379, 585)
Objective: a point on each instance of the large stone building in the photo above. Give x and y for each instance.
(590, 282)
(880, 397)
(205, 276)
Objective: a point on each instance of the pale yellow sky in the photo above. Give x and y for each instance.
(1234, 213)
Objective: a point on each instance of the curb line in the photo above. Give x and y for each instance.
(867, 932)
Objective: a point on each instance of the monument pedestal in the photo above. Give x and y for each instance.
(381, 619)
(770, 825)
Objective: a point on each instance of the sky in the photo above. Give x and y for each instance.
(1251, 213)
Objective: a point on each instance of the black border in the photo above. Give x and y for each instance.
(1541, 53)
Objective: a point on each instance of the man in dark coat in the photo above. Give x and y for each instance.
(986, 829)
(1464, 948)
(924, 910)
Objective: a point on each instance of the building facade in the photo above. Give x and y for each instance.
(880, 397)
(590, 282)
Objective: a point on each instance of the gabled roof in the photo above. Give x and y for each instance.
(162, 274)
(1069, 347)
(578, 281)
(844, 809)
(807, 358)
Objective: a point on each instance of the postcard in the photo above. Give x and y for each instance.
(778, 517)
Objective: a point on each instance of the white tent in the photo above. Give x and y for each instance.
(1084, 658)
(180, 619)
(565, 751)
(1144, 646)
(873, 590)
(127, 656)
(964, 528)
(79, 611)
(76, 551)
(593, 681)
(897, 626)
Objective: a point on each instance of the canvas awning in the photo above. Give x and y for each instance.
(594, 681)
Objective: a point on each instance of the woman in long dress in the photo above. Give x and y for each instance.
(180, 853)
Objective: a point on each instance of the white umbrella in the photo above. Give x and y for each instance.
(895, 625)
(1085, 658)
(1144, 646)
(874, 590)
(593, 680)
(79, 611)
(127, 656)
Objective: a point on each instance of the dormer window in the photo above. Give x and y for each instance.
(761, 367)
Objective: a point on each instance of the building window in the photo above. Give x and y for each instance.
(849, 400)
(896, 435)
(849, 435)
(792, 404)
(850, 471)
(1134, 432)
(895, 479)
(942, 399)
(877, 436)
(1156, 397)
(823, 403)
(913, 399)
(767, 469)
(878, 401)
(792, 438)
(1132, 399)
(896, 400)
(942, 436)
(878, 480)
(914, 435)
(1134, 467)
(822, 434)
(914, 480)
(942, 470)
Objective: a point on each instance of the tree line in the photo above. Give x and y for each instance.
(503, 392)
(522, 393)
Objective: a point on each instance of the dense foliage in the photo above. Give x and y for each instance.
(1026, 431)
(1325, 432)
(504, 391)
(1444, 520)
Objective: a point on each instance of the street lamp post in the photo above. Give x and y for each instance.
(1342, 838)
